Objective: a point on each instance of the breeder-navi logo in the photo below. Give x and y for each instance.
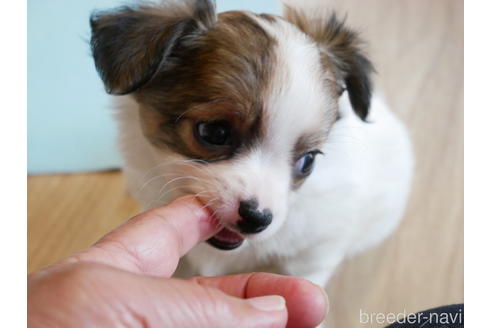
(422, 318)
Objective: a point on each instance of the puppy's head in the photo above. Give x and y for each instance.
(236, 106)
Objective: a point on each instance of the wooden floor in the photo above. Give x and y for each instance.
(417, 46)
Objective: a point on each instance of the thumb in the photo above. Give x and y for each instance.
(99, 295)
(180, 303)
(192, 305)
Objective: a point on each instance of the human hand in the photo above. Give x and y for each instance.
(124, 281)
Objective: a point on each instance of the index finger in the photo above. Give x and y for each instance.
(152, 242)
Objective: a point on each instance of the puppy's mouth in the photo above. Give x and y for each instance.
(226, 239)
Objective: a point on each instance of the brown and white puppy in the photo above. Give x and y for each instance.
(235, 108)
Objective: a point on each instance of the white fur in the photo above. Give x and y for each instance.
(353, 199)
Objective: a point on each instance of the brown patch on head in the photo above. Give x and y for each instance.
(341, 52)
(220, 75)
(185, 65)
(267, 17)
(309, 142)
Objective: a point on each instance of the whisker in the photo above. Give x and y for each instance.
(210, 202)
(168, 175)
(168, 163)
(218, 209)
(178, 179)
(153, 178)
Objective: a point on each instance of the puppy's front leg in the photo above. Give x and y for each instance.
(315, 264)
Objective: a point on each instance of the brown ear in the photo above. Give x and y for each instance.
(131, 44)
(342, 47)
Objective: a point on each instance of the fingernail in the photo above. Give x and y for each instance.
(327, 300)
(268, 303)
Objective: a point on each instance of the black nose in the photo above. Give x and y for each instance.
(253, 221)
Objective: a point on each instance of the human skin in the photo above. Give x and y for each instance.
(124, 281)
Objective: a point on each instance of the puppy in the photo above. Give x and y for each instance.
(268, 120)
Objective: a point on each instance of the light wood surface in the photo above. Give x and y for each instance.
(417, 46)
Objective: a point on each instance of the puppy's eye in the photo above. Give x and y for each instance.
(215, 133)
(304, 165)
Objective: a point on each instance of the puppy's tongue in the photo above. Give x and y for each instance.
(226, 240)
(228, 236)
